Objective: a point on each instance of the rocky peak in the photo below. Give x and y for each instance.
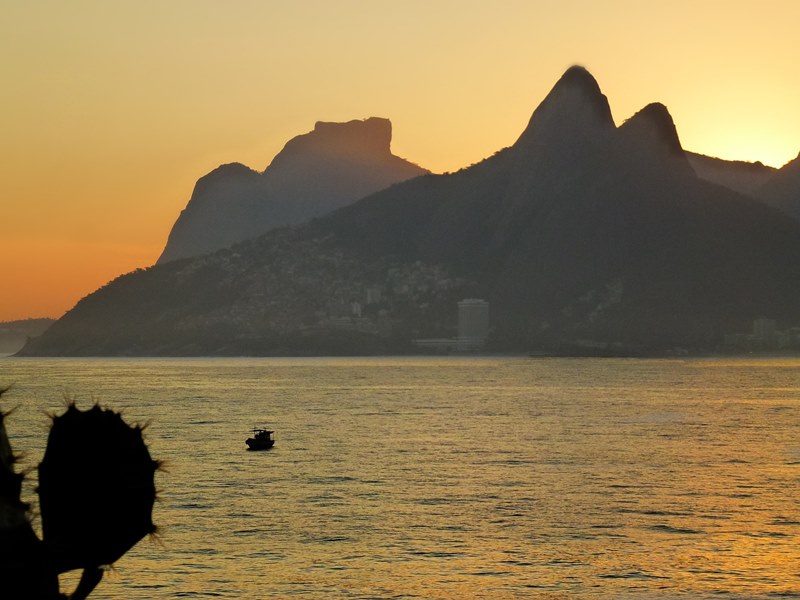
(368, 138)
(653, 128)
(225, 172)
(315, 173)
(573, 110)
(221, 182)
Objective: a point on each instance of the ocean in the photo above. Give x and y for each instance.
(447, 477)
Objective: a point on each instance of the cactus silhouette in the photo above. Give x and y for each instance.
(96, 495)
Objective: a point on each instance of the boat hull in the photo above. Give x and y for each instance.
(253, 444)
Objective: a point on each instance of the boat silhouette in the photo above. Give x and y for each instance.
(262, 439)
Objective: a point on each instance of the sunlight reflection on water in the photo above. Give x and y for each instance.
(450, 478)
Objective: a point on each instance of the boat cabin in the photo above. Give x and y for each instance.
(262, 434)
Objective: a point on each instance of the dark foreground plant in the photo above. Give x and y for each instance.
(96, 494)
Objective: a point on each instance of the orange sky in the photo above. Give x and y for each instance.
(112, 110)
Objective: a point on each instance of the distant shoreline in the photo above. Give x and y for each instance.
(488, 355)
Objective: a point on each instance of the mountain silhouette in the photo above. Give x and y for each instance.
(782, 189)
(779, 188)
(572, 211)
(315, 173)
(740, 176)
(579, 231)
(14, 334)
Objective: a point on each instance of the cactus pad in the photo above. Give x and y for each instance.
(96, 488)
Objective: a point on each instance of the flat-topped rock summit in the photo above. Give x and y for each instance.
(315, 173)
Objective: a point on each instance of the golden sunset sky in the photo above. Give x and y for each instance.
(112, 110)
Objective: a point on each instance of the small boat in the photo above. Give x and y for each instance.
(262, 440)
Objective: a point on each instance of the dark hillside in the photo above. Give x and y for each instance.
(581, 232)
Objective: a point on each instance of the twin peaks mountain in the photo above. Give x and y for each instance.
(581, 233)
(315, 173)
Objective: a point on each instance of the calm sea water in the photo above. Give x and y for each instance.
(449, 478)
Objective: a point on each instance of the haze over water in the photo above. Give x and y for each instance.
(449, 478)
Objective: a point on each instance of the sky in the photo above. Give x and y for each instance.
(110, 111)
